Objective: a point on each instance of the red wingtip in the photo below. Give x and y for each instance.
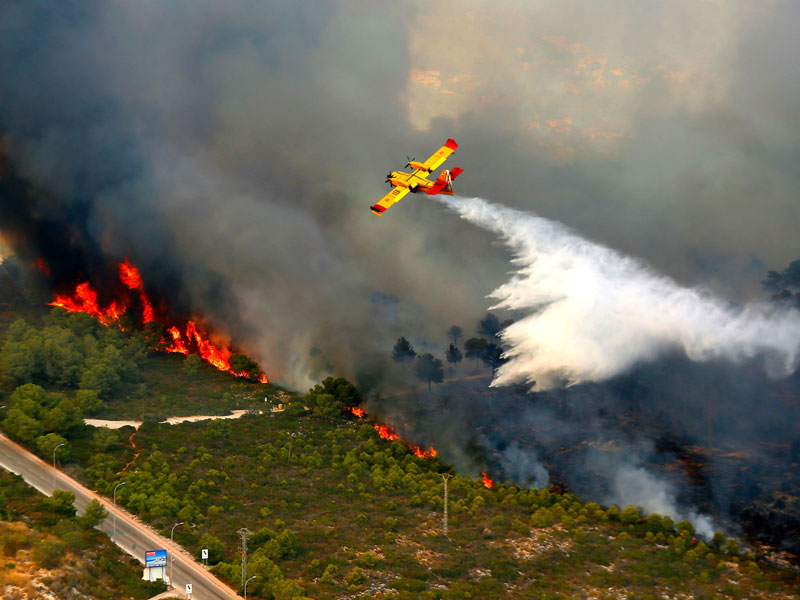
(377, 210)
(450, 143)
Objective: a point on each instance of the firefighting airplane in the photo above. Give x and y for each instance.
(416, 182)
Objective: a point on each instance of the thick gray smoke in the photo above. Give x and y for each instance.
(591, 313)
(231, 151)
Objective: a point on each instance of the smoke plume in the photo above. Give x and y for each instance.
(591, 313)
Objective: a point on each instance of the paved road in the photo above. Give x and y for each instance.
(132, 536)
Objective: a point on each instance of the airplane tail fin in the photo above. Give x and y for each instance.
(444, 183)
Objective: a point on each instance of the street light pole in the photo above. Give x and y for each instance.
(245, 586)
(114, 537)
(172, 562)
(54, 461)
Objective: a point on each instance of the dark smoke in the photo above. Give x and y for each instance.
(231, 151)
(640, 439)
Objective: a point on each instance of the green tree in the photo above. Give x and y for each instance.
(61, 502)
(429, 368)
(216, 551)
(22, 427)
(49, 552)
(100, 376)
(323, 405)
(283, 545)
(403, 351)
(489, 326)
(475, 348)
(88, 400)
(493, 356)
(93, 515)
(48, 442)
(629, 516)
(192, 364)
(344, 393)
(217, 429)
(453, 354)
(104, 438)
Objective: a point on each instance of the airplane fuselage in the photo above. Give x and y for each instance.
(417, 182)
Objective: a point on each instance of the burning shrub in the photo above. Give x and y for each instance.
(241, 363)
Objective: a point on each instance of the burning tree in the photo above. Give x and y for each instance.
(160, 334)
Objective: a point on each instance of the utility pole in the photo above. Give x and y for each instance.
(244, 532)
(445, 477)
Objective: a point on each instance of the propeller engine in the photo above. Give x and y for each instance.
(409, 160)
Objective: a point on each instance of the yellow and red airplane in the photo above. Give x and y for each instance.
(417, 181)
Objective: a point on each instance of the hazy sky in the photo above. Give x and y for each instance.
(239, 144)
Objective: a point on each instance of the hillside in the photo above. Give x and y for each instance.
(47, 552)
(333, 510)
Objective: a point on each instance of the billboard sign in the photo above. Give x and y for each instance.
(155, 558)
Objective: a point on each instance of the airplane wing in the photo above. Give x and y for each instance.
(440, 155)
(396, 194)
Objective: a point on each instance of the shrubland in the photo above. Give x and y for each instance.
(333, 510)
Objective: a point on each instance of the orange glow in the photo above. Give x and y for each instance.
(388, 433)
(193, 341)
(42, 266)
(359, 412)
(487, 483)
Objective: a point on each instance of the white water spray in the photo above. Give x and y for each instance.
(592, 313)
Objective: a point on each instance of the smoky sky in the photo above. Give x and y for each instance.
(231, 151)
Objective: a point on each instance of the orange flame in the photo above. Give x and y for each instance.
(487, 483)
(359, 412)
(388, 433)
(129, 275)
(178, 345)
(219, 357)
(85, 300)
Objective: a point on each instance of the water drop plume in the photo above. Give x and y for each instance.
(590, 313)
